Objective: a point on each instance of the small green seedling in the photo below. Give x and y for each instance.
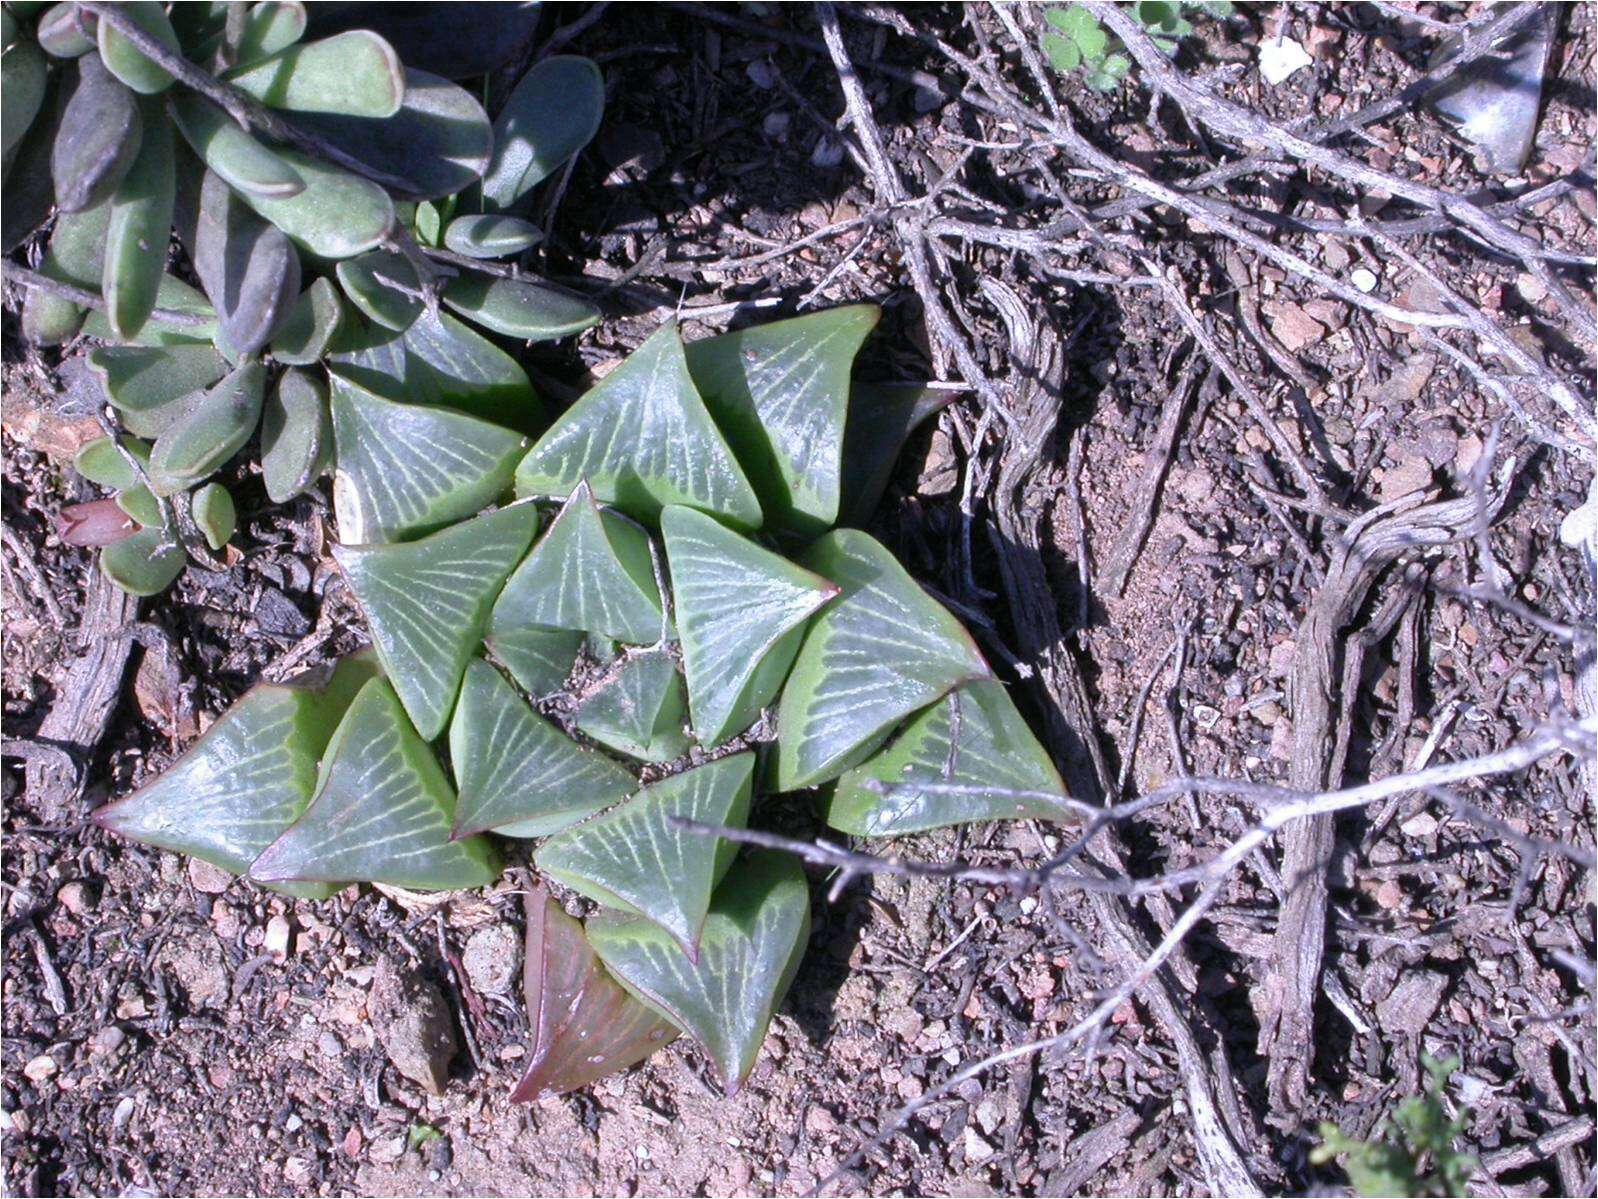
(1076, 41)
(1411, 1154)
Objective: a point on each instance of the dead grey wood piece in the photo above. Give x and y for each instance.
(1020, 499)
(1368, 548)
(86, 698)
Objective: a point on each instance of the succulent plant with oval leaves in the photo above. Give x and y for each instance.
(670, 623)
(341, 201)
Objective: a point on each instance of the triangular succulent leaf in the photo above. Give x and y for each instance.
(591, 571)
(407, 469)
(538, 659)
(881, 418)
(749, 951)
(582, 1024)
(780, 392)
(741, 611)
(249, 776)
(517, 774)
(639, 710)
(643, 439)
(971, 738)
(637, 859)
(880, 651)
(381, 812)
(426, 603)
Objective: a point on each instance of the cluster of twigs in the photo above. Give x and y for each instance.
(1355, 548)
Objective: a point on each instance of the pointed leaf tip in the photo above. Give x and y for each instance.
(880, 651)
(753, 939)
(426, 603)
(582, 1023)
(518, 774)
(381, 812)
(637, 859)
(643, 438)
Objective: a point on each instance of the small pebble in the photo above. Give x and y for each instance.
(41, 1068)
(1363, 279)
(208, 879)
(279, 938)
(77, 898)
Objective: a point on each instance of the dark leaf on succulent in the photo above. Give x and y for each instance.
(97, 140)
(249, 269)
(582, 1024)
(383, 286)
(311, 327)
(552, 114)
(92, 524)
(453, 40)
(30, 191)
(65, 30)
(882, 416)
(438, 143)
(23, 84)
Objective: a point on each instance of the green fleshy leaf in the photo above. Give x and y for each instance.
(249, 776)
(552, 114)
(144, 563)
(76, 255)
(210, 430)
(438, 360)
(381, 812)
(407, 469)
(311, 326)
(296, 434)
(140, 228)
(590, 571)
(635, 859)
(129, 64)
(640, 710)
(741, 611)
(238, 158)
(749, 952)
(538, 659)
(384, 286)
(215, 514)
(426, 603)
(172, 294)
(101, 462)
(437, 144)
(30, 191)
(490, 235)
(60, 33)
(882, 416)
(268, 29)
(518, 774)
(353, 74)
(249, 269)
(338, 215)
(517, 309)
(883, 649)
(97, 141)
(973, 737)
(780, 392)
(23, 76)
(140, 503)
(149, 385)
(582, 1024)
(643, 439)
